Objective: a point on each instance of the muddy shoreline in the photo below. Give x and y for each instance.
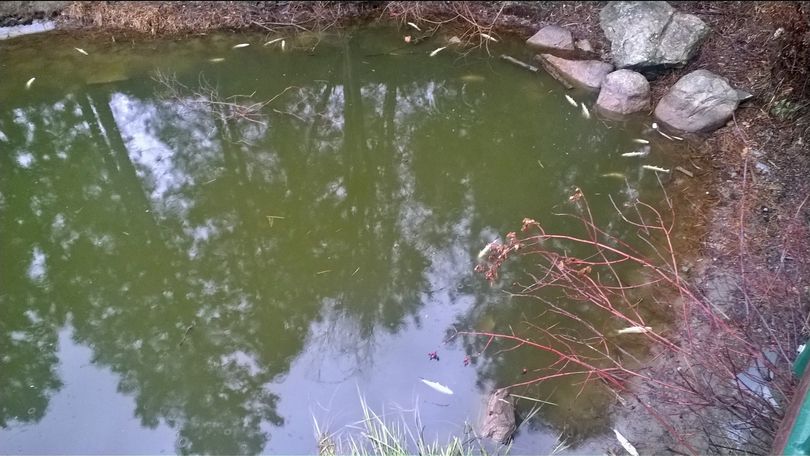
(753, 221)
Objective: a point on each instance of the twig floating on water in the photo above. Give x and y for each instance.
(289, 114)
(671, 138)
(185, 334)
(532, 399)
(665, 135)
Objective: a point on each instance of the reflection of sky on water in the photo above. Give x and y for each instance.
(77, 412)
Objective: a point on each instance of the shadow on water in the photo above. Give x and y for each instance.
(238, 278)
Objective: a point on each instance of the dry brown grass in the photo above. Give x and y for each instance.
(183, 18)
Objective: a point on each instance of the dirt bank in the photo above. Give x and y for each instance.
(753, 260)
(21, 13)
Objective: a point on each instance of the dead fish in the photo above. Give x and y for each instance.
(634, 330)
(28, 84)
(240, 45)
(655, 168)
(272, 41)
(642, 152)
(414, 26)
(614, 175)
(216, 60)
(473, 78)
(585, 113)
(438, 50)
(437, 386)
(571, 101)
(486, 249)
(490, 38)
(283, 45)
(626, 443)
(82, 51)
(641, 141)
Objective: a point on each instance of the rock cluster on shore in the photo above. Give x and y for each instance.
(645, 37)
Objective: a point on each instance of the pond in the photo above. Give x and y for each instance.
(182, 276)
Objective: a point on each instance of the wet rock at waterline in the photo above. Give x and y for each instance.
(624, 92)
(700, 101)
(651, 34)
(587, 74)
(499, 420)
(552, 37)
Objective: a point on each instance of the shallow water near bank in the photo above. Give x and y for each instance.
(175, 283)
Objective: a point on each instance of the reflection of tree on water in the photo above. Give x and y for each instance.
(154, 234)
(554, 317)
(146, 251)
(579, 410)
(30, 314)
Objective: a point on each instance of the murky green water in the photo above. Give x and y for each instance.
(173, 283)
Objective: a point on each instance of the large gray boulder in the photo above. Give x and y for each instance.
(700, 101)
(651, 34)
(552, 37)
(587, 74)
(624, 92)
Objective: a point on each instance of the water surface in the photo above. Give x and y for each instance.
(173, 282)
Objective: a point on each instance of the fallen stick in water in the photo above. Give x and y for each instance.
(553, 72)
